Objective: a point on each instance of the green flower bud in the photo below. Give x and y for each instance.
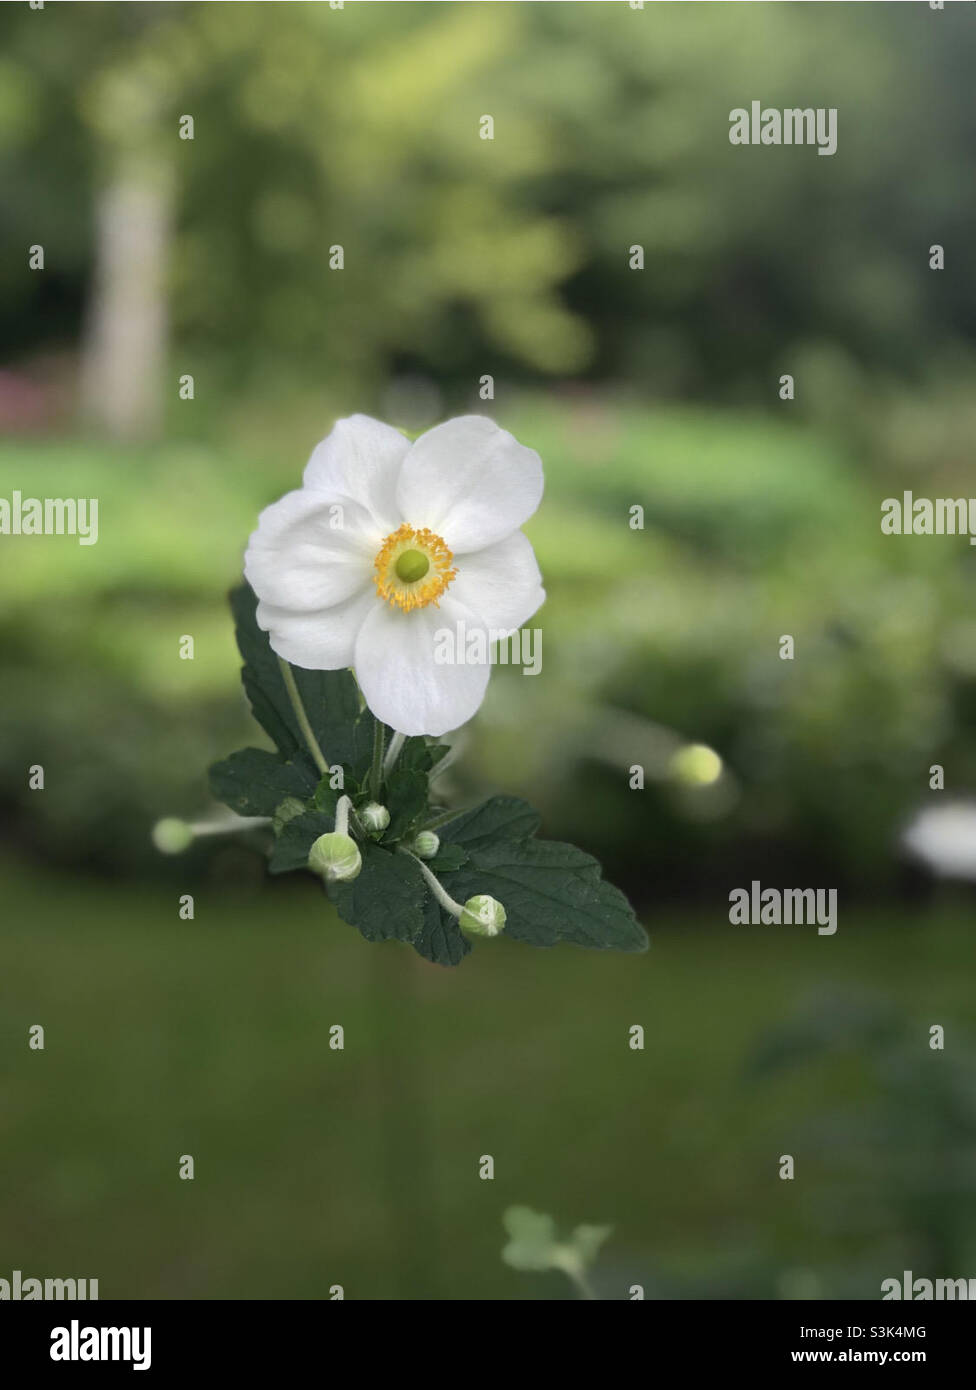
(335, 857)
(172, 836)
(374, 816)
(426, 844)
(482, 916)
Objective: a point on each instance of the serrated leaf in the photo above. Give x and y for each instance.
(406, 800)
(441, 939)
(448, 858)
(331, 698)
(551, 892)
(261, 677)
(418, 754)
(386, 900)
(358, 751)
(296, 839)
(254, 782)
(499, 818)
(286, 811)
(326, 797)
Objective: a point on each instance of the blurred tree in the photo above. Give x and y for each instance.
(361, 128)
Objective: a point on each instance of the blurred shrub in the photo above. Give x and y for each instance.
(652, 639)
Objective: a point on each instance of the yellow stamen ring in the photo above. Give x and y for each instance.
(401, 556)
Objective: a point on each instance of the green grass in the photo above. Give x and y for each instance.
(360, 1167)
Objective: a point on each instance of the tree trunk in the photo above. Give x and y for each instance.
(124, 355)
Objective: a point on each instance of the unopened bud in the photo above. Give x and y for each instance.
(172, 836)
(335, 857)
(426, 844)
(374, 816)
(482, 916)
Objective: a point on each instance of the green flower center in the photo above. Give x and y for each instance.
(411, 566)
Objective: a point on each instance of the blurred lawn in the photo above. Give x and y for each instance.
(360, 1167)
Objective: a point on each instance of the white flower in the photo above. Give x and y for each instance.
(943, 837)
(388, 543)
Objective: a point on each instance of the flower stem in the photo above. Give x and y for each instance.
(441, 819)
(435, 885)
(583, 1285)
(228, 826)
(288, 676)
(393, 752)
(572, 1266)
(343, 807)
(376, 771)
(172, 835)
(445, 762)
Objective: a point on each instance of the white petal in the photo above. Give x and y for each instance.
(300, 558)
(470, 482)
(502, 583)
(361, 459)
(321, 641)
(401, 679)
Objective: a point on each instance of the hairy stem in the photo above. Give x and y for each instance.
(435, 885)
(441, 819)
(446, 761)
(288, 676)
(393, 752)
(376, 771)
(343, 807)
(583, 1285)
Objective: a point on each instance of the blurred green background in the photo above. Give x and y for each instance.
(164, 257)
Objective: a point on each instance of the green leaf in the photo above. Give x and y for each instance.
(448, 858)
(441, 939)
(406, 801)
(326, 797)
(260, 677)
(587, 1240)
(532, 1239)
(551, 892)
(253, 782)
(500, 818)
(418, 754)
(533, 1243)
(358, 745)
(286, 811)
(296, 839)
(331, 698)
(386, 900)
